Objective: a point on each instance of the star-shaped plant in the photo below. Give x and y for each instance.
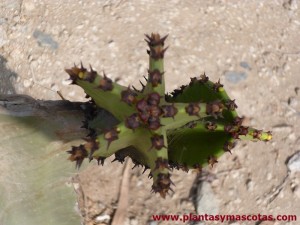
(187, 129)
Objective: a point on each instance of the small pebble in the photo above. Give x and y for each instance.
(29, 6)
(235, 174)
(245, 65)
(27, 83)
(152, 223)
(292, 136)
(237, 201)
(3, 20)
(296, 191)
(293, 102)
(207, 201)
(133, 221)
(269, 176)
(249, 185)
(3, 37)
(235, 76)
(44, 39)
(103, 218)
(293, 162)
(71, 94)
(66, 82)
(258, 201)
(111, 44)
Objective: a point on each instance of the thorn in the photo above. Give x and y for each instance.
(203, 78)
(215, 109)
(212, 160)
(197, 168)
(157, 142)
(257, 134)
(162, 40)
(155, 40)
(161, 164)
(153, 98)
(184, 167)
(117, 79)
(91, 145)
(106, 83)
(211, 126)
(111, 136)
(193, 109)
(218, 86)
(172, 183)
(269, 133)
(115, 159)
(162, 185)
(193, 81)
(155, 77)
(154, 123)
(141, 105)
(78, 154)
(230, 104)
(155, 111)
(177, 92)
(135, 165)
(228, 146)
(169, 110)
(91, 75)
(229, 128)
(164, 51)
(133, 121)
(235, 135)
(135, 89)
(243, 130)
(74, 73)
(142, 84)
(128, 96)
(101, 160)
(146, 168)
(238, 121)
(119, 157)
(144, 116)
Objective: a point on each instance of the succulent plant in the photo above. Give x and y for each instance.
(187, 129)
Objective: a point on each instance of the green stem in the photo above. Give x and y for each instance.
(107, 99)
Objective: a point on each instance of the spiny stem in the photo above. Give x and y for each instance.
(156, 81)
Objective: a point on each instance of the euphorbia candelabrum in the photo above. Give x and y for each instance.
(187, 129)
